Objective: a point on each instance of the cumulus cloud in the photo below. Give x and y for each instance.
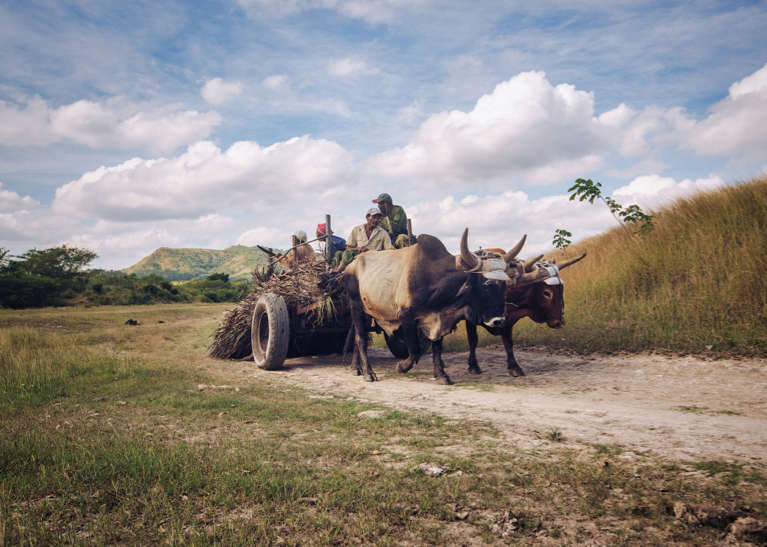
(347, 66)
(500, 220)
(736, 124)
(278, 81)
(205, 179)
(525, 124)
(115, 122)
(654, 191)
(10, 202)
(217, 91)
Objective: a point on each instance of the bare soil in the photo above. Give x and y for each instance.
(679, 408)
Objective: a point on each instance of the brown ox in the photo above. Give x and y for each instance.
(425, 288)
(543, 302)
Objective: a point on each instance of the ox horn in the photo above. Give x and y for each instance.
(467, 256)
(570, 262)
(508, 257)
(530, 264)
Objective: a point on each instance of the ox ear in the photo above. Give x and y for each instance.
(570, 262)
(508, 257)
(469, 260)
(530, 264)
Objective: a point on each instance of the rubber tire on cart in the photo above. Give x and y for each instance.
(397, 346)
(270, 332)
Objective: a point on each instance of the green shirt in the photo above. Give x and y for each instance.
(396, 221)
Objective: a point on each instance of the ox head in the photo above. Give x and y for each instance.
(485, 288)
(545, 300)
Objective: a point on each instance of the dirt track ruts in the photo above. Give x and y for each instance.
(679, 408)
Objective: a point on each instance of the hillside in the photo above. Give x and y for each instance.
(697, 283)
(183, 264)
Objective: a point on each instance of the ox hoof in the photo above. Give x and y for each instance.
(445, 381)
(475, 370)
(403, 368)
(516, 372)
(356, 372)
(371, 378)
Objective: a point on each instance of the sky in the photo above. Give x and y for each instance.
(125, 127)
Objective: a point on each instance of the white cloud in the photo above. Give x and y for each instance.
(204, 179)
(10, 202)
(115, 123)
(655, 191)
(736, 124)
(526, 124)
(270, 237)
(347, 66)
(500, 220)
(278, 81)
(217, 91)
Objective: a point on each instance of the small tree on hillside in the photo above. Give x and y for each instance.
(590, 190)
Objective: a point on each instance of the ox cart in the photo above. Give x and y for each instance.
(281, 330)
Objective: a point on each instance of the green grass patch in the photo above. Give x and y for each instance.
(106, 439)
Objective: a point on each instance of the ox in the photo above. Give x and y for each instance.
(424, 288)
(543, 302)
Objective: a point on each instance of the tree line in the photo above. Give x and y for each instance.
(57, 277)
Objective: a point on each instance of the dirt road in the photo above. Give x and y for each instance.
(677, 408)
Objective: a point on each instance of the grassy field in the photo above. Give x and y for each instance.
(696, 284)
(106, 439)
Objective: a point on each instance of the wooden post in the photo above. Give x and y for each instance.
(294, 258)
(329, 244)
(409, 232)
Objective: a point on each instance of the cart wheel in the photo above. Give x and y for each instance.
(397, 346)
(270, 332)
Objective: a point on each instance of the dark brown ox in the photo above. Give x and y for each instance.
(424, 288)
(543, 302)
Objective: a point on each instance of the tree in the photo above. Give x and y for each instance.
(561, 240)
(589, 190)
(62, 262)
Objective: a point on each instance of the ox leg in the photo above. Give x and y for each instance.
(356, 368)
(511, 361)
(360, 332)
(471, 336)
(439, 366)
(410, 332)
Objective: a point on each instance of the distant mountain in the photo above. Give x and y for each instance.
(183, 264)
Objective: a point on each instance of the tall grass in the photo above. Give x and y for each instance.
(697, 283)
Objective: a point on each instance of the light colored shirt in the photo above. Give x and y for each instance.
(378, 240)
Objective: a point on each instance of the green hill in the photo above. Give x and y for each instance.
(183, 264)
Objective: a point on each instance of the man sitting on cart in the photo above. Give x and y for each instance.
(365, 237)
(302, 253)
(339, 243)
(394, 220)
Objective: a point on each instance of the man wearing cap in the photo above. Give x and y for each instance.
(303, 253)
(365, 237)
(394, 221)
(339, 243)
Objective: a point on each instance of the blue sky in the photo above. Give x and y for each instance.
(209, 124)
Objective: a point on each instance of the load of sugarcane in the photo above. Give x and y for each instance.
(300, 290)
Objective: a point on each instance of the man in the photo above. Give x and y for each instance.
(302, 253)
(394, 221)
(365, 237)
(339, 243)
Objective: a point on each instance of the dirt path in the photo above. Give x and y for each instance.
(678, 408)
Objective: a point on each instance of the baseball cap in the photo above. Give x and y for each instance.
(374, 211)
(322, 229)
(383, 197)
